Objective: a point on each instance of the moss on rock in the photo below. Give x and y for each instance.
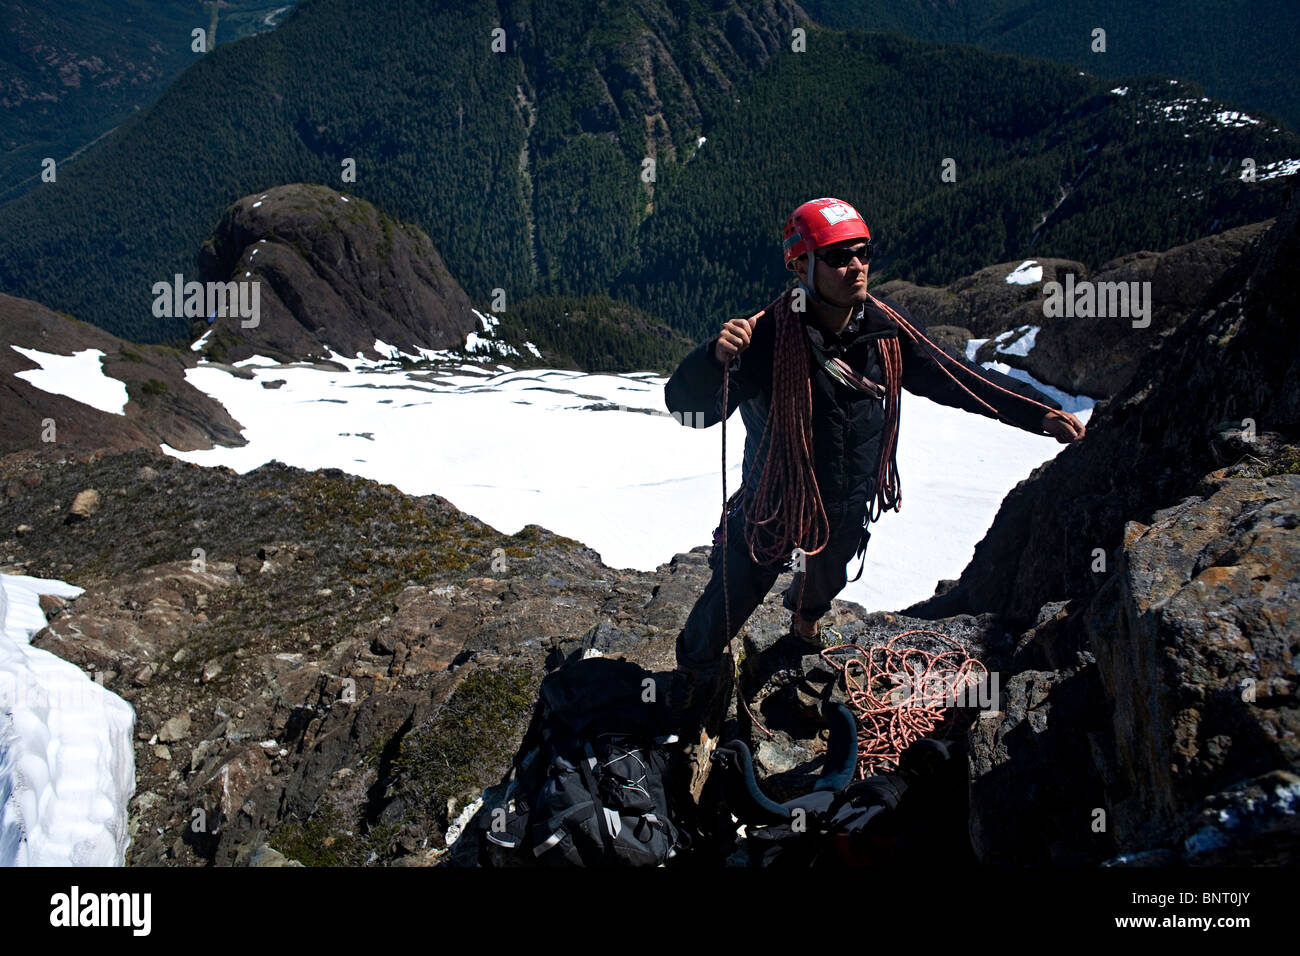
(464, 746)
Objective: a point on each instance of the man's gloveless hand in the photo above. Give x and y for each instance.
(1063, 426)
(734, 337)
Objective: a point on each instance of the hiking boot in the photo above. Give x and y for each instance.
(808, 633)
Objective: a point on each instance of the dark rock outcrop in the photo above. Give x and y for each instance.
(334, 271)
(1154, 708)
(1082, 356)
(1201, 399)
(1126, 719)
(1196, 637)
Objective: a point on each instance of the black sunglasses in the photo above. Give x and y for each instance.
(839, 257)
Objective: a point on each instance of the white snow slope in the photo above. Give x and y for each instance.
(67, 769)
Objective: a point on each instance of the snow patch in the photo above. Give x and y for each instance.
(1021, 340)
(256, 360)
(457, 826)
(1078, 405)
(79, 376)
(1233, 118)
(1027, 273)
(479, 343)
(1283, 167)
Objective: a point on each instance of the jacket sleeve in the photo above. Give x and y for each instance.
(923, 376)
(694, 392)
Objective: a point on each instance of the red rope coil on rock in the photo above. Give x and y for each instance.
(900, 694)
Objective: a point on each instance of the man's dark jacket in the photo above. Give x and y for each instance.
(847, 423)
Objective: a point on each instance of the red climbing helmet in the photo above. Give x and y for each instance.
(821, 222)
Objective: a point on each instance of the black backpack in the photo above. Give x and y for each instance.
(592, 782)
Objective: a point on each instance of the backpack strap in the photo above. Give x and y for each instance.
(841, 758)
(603, 822)
(865, 534)
(861, 552)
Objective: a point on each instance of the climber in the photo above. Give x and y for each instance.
(816, 376)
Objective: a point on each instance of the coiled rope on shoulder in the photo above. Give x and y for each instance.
(787, 509)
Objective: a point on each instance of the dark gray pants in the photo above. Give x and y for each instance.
(702, 641)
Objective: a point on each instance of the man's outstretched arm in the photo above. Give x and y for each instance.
(1023, 407)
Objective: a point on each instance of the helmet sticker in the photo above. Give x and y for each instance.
(838, 213)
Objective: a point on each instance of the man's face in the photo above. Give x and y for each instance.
(845, 284)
